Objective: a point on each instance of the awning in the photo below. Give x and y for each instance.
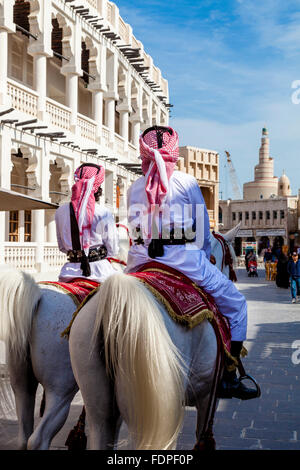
(12, 201)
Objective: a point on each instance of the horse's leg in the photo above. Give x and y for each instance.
(102, 412)
(24, 385)
(205, 370)
(204, 431)
(104, 421)
(56, 412)
(52, 367)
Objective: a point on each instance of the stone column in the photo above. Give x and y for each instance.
(39, 237)
(124, 117)
(72, 98)
(21, 226)
(112, 93)
(40, 82)
(136, 130)
(51, 226)
(124, 110)
(98, 112)
(110, 117)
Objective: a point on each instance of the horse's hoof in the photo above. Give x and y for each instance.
(205, 445)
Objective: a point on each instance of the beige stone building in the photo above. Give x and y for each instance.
(268, 213)
(76, 86)
(203, 164)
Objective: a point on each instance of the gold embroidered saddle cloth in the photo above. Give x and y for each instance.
(187, 303)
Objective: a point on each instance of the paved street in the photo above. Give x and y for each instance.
(270, 422)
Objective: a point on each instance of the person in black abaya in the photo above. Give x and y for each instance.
(282, 277)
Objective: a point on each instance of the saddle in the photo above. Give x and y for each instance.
(185, 302)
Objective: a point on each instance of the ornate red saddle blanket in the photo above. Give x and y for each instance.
(78, 288)
(187, 303)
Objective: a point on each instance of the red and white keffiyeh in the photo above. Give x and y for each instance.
(158, 164)
(87, 182)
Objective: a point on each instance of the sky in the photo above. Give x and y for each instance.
(232, 68)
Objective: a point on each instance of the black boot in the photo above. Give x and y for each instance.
(231, 386)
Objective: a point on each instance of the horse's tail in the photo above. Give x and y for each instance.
(19, 296)
(147, 368)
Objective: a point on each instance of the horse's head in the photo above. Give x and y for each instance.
(221, 248)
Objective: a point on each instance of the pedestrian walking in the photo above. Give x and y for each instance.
(294, 273)
(267, 261)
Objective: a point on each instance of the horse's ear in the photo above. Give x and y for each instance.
(231, 234)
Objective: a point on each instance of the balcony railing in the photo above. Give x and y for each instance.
(53, 257)
(93, 3)
(105, 136)
(119, 144)
(123, 31)
(22, 98)
(59, 115)
(132, 152)
(20, 256)
(87, 127)
(23, 256)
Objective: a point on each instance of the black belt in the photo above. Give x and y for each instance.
(165, 241)
(95, 254)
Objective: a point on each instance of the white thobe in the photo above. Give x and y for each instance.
(103, 232)
(192, 259)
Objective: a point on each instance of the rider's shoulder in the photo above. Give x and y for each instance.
(183, 178)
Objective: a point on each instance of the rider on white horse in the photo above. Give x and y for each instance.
(166, 214)
(86, 231)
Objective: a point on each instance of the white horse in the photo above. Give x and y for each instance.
(32, 318)
(142, 367)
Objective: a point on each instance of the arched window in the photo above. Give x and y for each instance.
(21, 12)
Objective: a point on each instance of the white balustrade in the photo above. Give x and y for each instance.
(23, 256)
(60, 115)
(22, 98)
(53, 257)
(123, 31)
(93, 3)
(109, 12)
(132, 152)
(119, 144)
(105, 136)
(134, 42)
(87, 127)
(20, 256)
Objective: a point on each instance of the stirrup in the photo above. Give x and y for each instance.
(249, 377)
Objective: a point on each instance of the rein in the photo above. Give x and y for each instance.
(126, 228)
(227, 257)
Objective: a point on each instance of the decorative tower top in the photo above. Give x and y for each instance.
(265, 184)
(284, 185)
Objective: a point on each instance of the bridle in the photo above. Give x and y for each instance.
(227, 259)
